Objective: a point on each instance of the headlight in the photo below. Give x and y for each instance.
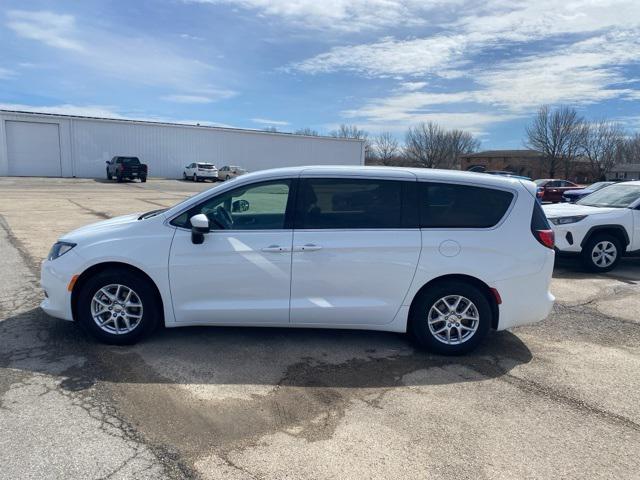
(59, 249)
(566, 220)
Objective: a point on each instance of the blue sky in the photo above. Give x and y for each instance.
(484, 66)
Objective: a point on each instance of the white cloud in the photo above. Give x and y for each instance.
(486, 25)
(390, 57)
(133, 58)
(6, 73)
(509, 58)
(212, 96)
(267, 121)
(50, 28)
(102, 111)
(341, 15)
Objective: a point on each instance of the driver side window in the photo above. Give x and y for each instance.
(260, 206)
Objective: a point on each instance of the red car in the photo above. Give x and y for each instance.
(551, 189)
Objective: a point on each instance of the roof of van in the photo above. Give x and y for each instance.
(392, 172)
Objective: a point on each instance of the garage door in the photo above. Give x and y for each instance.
(33, 149)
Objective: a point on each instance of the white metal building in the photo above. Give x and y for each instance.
(38, 144)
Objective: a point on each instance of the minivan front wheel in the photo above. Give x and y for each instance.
(450, 318)
(118, 306)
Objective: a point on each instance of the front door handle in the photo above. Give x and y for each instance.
(307, 247)
(275, 249)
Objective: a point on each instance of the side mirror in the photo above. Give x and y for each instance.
(199, 226)
(107, 162)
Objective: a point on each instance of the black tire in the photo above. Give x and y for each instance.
(432, 298)
(109, 176)
(227, 177)
(143, 179)
(119, 179)
(600, 264)
(195, 177)
(142, 287)
(184, 175)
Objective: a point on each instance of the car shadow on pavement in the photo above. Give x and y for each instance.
(33, 342)
(628, 270)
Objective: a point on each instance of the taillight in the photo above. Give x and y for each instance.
(545, 237)
(540, 227)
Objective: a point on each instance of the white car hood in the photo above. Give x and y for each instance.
(570, 209)
(100, 227)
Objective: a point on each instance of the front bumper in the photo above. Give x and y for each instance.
(54, 278)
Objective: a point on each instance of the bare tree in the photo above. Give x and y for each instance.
(307, 131)
(386, 148)
(352, 131)
(629, 151)
(425, 145)
(601, 145)
(430, 146)
(460, 143)
(555, 134)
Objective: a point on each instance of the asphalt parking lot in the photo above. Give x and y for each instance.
(560, 399)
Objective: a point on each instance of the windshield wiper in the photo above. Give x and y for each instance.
(152, 213)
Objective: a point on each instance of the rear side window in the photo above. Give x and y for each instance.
(341, 203)
(444, 205)
(128, 160)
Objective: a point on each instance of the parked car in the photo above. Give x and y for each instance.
(126, 168)
(444, 255)
(601, 227)
(200, 171)
(552, 189)
(230, 171)
(573, 196)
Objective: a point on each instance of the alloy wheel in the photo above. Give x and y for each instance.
(116, 309)
(453, 319)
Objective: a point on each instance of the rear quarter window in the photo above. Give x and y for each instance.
(444, 205)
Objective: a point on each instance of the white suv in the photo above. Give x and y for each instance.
(446, 255)
(601, 227)
(200, 171)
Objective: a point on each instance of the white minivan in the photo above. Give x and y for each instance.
(444, 255)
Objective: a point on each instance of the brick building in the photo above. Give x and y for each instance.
(528, 163)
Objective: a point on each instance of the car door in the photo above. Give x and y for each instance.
(241, 273)
(354, 251)
(552, 191)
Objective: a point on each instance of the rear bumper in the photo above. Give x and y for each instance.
(526, 299)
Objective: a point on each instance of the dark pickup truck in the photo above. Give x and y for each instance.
(126, 168)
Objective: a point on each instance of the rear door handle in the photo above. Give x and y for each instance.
(275, 249)
(308, 247)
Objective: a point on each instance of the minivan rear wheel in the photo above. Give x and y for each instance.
(450, 318)
(118, 306)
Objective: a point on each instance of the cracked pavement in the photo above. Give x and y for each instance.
(559, 399)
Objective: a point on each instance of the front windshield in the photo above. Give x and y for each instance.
(597, 186)
(617, 196)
